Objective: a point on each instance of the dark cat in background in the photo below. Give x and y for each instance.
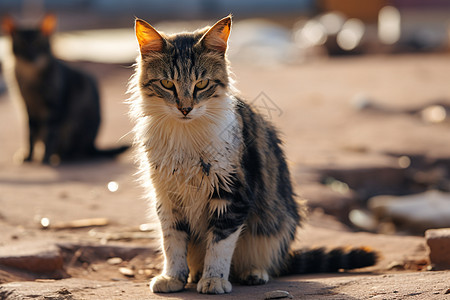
(62, 103)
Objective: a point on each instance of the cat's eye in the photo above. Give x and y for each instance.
(202, 84)
(167, 84)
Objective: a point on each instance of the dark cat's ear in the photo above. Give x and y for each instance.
(148, 38)
(48, 24)
(8, 26)
(216, 38)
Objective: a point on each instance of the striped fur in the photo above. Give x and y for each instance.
(212, 165)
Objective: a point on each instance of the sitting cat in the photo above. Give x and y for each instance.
(216, 169)
(62, 103)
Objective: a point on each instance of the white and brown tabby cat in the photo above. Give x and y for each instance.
(215, 170)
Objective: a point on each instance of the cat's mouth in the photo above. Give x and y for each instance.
(185, 118)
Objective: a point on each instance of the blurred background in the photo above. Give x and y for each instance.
(279, 31)
(360, 91)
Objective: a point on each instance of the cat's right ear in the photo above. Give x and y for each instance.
(8, 26)
(148, 38)
(48, 24)
(216, 38)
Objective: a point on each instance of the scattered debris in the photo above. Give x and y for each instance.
(114, 261)
(105, 237)
(75, 224)
(396, 266)
(148, 227)
(278, 294)
(64, 291)
(410, 265)
(363, 219)
(434, 114)
(126, 272)
(417, 212)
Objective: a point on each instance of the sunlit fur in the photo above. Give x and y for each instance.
(218, 179)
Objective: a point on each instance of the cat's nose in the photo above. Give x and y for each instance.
(185, 110)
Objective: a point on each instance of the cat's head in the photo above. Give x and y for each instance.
(30, 44)
(183, 74)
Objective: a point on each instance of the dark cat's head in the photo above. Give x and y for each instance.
(30, 44)
(184, 75)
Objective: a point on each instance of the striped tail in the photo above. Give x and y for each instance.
(321, 261)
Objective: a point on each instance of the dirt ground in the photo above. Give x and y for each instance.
(324, 110)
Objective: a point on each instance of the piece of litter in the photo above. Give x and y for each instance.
(81, 223)
(278, 294)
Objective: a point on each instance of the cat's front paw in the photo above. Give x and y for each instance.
(166, 284)
(213, 285)
(255, 277)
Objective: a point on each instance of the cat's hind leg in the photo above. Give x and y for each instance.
(196, 258)
(257, 256)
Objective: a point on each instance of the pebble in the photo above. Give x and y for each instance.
(126, 272)
(396, 265)
(114, 261)
(362, 219)
(434, 114)
(278, 294)
(417, 212)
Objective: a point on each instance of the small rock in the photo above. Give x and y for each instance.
(126, 272)
(64, 291)
(397, 266)
(416, 213)
(434, 114)
(114, 261)
(438, 241)
(363, 219)
(278, 294)
(37, 257)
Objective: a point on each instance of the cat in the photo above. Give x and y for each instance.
(62, 103)
(215, 170)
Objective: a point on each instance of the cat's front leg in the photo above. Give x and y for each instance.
(33, 132)
(52, 140)
(226, 223)
(217, 264)
(175, 272)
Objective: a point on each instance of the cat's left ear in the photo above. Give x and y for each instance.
(216, 38)
(148, 37)
(48, 24)
(8, 25)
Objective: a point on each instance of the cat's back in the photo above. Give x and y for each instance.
(266, 173)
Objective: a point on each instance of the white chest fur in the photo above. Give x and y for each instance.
(189, 160)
